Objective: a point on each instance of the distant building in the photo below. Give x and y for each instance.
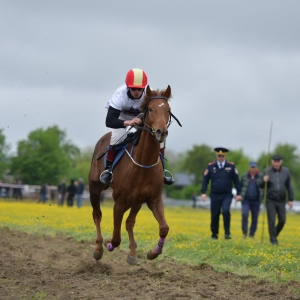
(182, 180)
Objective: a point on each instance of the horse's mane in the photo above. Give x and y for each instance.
(147, 98)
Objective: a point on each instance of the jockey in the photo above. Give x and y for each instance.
(123, 109)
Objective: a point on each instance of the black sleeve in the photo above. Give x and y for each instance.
(112, 118)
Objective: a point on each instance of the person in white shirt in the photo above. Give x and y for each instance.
(123, 110)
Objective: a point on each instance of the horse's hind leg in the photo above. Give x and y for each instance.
(157, 209)
(97, 216)
(132, 257)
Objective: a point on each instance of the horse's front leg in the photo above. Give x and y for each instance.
(97, 216)
(132, 257)
(119, 210)
(157, 209)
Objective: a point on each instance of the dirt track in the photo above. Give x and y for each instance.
(34, 267)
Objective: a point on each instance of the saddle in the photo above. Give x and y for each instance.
(132, 138)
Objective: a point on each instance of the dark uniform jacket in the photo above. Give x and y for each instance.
(221, 179)
(278, 184)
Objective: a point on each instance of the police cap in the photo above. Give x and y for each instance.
(221, 150)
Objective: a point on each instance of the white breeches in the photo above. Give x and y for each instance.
(118, 135)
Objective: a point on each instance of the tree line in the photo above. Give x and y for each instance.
(46, 155)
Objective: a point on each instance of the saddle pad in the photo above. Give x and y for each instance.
(119, 155)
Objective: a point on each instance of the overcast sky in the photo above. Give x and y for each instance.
(233, 66)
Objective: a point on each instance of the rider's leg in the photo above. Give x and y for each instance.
(117, 136)
(167, 180)
(111, 154)
(106, 175)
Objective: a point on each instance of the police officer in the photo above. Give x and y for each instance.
(222, 174)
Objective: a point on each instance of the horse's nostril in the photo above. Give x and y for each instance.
(167, 132)
(158, 131)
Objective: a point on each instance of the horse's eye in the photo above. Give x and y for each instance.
(150, 109)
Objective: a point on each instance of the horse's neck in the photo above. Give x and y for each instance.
(147, 150)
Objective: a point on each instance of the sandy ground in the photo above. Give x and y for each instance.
(42, 267)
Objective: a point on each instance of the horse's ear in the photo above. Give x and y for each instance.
(167, 92)
(148, 91)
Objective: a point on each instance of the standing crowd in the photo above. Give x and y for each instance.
(275, 181)
(74, 191)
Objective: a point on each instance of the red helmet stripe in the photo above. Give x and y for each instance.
(136, 78)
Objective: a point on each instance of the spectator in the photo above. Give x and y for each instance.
(79, 193)
(52, 193)
(18, 190)
(251, 198)
(43, 193)
(62, 189)
(71, 193)
(14, 189)
(279, 185)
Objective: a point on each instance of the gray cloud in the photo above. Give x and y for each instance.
(233, 67)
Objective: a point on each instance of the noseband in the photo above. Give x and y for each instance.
(148, 127)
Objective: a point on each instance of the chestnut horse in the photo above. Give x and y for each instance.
(137, 178)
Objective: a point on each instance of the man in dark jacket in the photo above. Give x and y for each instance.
(278, 180)
(251, 198)
(62, 189)
(72, 189)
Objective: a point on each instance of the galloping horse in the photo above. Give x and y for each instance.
(137, 179)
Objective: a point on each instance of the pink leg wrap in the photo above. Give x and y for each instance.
(158, 248)
(110, 247)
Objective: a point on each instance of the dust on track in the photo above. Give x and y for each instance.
(42, 267)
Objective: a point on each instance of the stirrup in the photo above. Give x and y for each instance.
(168, 180)
(106, 177)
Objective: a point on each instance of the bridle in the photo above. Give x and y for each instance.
(144, 115)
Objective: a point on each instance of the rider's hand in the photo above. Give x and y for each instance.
(133, 122)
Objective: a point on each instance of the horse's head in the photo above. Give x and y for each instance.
(157, 111)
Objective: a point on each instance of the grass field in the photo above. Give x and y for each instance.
(188, 240)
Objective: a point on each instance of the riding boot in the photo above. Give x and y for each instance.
(107, 175)
(167, 180)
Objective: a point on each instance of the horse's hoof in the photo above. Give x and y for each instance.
(106, 242)
(97, 255)
(132, 260)
(151, 255)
